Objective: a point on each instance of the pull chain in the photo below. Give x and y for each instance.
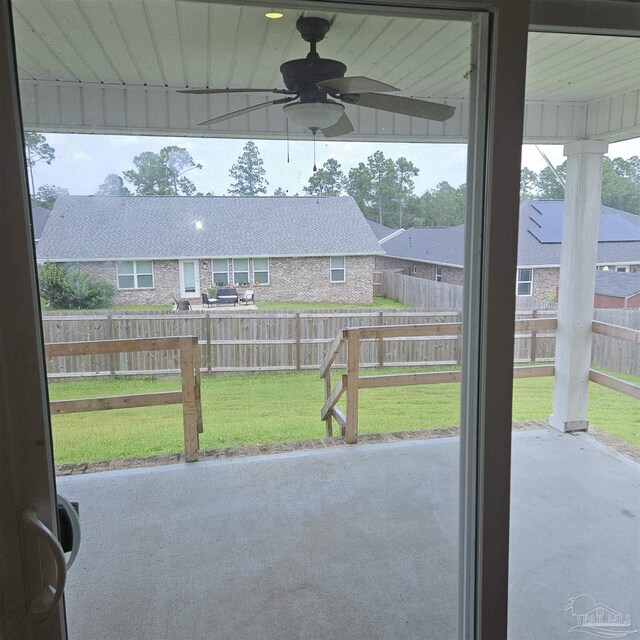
(287, 119)
(314, 150)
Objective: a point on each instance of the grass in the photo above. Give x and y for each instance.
(378, 303)
(263, 408)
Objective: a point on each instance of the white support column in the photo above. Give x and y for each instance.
(582, 204)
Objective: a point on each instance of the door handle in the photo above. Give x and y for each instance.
(43, 603)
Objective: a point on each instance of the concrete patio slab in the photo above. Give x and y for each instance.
(349, 543)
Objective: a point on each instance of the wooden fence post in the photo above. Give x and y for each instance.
(207, 319)
(112, 356)
(197, 387)
(534, 339)
(327, 394)
(353, 364)
(381, 341)
(189, 400)
(298, 338)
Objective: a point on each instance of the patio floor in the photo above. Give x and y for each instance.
(347, 543)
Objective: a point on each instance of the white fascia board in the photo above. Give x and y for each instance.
(214, 257)
(391, 235)
(443, 264)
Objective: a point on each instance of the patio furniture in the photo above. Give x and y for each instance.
(247, 297)
(227, 296)
(207, 301)
(181, 305)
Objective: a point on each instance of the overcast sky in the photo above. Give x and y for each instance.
(83, 161)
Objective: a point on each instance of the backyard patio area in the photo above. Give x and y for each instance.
(346, 542)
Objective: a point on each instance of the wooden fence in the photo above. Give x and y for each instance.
(351, 382)
(259, 341)
(189, 357)
(421, 293)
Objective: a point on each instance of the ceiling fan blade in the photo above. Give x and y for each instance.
(200, 91)
(356, 84)
(404, 106)
(340, 128)
(241, 112)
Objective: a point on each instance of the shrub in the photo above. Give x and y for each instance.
(73, 288)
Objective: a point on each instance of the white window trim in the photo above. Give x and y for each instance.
(135, 276)
(438, 272)
(343, 268)
(253, 272)
(519, 282)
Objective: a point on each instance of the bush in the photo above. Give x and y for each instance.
(73, 288)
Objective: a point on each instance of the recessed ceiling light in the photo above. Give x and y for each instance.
(273, 15)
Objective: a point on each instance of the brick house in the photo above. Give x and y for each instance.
(437, 253)
(152, 247)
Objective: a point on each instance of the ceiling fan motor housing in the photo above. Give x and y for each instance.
(301, 75)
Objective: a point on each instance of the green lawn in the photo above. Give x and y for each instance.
(264, 408)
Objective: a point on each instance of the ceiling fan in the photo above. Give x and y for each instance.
(311, 82)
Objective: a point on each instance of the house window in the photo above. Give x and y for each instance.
(438, 273)
(622, 269)
(415, 268)
(261, 270)
(220, 272)
(525, 282)
(135, 274)
(337, 266)
(240, 270)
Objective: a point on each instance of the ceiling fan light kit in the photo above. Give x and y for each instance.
(314, 84)
(314, 115)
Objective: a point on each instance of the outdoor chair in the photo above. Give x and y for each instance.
(207, 301)
(181, 305)
(247, 298)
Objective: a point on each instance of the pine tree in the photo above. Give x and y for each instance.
(248, 173)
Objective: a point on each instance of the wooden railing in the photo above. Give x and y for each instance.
(606, 380)
(351, 382)
(189, 396)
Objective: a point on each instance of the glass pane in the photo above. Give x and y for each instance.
(386, 564)
(241, 264)
(189, 274)
(125, 268)
(126, 282)
(575, 541)
(219, 265)
(144, 266)
(145, 282)
(260, 264)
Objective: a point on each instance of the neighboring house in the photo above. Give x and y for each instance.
(39, 216)
(437, 253)
(383, 233)
(151, 247)
(617, 290)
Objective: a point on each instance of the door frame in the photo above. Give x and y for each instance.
(26, 459)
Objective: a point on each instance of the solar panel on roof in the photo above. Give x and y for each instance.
(547, 227)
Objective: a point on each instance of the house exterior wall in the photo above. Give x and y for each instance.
(450, 275)
(291, 279)
(545, 283)
(611, 302)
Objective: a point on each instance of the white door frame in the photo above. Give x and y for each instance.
(183, 293)
(26, 461)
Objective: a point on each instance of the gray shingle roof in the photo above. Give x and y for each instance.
(380, 231)
(40, 215)
(445, 245)
(618, 285)
(108, 227)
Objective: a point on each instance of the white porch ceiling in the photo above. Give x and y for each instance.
(114, 67)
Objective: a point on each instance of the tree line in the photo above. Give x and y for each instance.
(384, 188)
